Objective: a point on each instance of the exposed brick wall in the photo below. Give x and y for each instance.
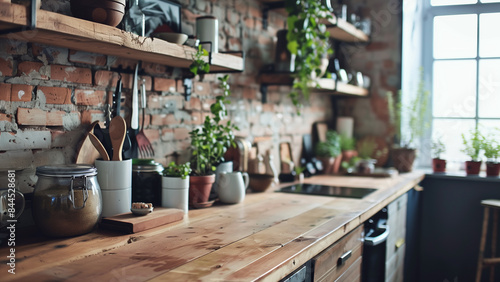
(49, 95)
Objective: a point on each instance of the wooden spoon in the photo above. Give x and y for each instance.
(117, 132)
(98, 145)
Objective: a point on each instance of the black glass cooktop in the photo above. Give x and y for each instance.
(323, 190)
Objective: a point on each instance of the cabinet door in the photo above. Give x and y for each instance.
(396, 212)
(339, 257)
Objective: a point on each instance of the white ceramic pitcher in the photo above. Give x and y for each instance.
(232, 186)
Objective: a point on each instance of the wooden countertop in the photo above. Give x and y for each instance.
(266, 236)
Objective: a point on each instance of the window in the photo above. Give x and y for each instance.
(462, 70)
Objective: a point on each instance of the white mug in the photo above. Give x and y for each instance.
(207, 30)
(232, 186)
(11, 205)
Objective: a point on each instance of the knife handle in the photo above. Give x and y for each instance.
(143, 94)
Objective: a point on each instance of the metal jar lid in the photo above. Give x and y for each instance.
(70, 170)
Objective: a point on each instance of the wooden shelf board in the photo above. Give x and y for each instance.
(352, 90)
(68, 32)
(324, 84)
(341, 30)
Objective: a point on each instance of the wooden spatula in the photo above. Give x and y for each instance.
(98, 145)
(117, 131)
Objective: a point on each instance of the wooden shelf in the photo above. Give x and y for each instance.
(69, 32)
(325, 84)
(339, 29)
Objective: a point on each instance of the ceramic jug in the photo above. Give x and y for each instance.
(232, 186)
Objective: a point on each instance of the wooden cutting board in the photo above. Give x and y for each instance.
(130, 223)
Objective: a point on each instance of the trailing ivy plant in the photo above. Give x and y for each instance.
(199, 66)
(210, 142)
(308, 40)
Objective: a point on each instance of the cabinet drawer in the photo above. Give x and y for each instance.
(394, 265)
(328, 263)
(353, 274)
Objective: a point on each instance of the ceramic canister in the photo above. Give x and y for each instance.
(207, 30)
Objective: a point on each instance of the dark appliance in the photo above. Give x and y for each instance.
(327, 190)
(374, 248)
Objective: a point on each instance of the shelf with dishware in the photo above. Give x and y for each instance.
(68, 32)
(339, 29)
(334, 87)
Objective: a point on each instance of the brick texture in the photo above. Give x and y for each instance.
(5, 91)
(71, 74)
(56, 95)
(90, 97)
(21, 93)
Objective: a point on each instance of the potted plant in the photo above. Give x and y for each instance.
(491, 149)
(199, 66)
(348, 147)
(209, 143)
(472, 148)
(438, 164)
(329, 153)
(308, 40)
(366, 152)
(404, 149)
(175, 186)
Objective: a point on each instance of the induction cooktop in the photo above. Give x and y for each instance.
(326, 190)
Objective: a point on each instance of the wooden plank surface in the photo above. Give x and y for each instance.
(64, 31)
(266, 236)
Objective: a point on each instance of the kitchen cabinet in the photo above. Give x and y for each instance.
(341, 31)
(69, 32)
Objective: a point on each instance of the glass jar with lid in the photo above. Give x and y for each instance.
(66, 200)
(146, 181)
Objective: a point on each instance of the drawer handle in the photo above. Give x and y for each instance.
(343, 258)
(400, 243)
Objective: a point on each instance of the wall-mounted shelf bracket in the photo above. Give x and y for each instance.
(188, 87)
(263, 91)
(31, 24)
(265, 11)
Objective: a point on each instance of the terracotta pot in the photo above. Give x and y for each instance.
(492, 169)
(199, 188)
(403, 159)
(331, 165)
(472, 167)
(348, 155)
(438, 165)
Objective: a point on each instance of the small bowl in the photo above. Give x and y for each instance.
(141, 211)
(260, 182)
(172, 37)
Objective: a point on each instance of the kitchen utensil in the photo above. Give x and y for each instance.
(141, 211)
(86, 153)
(260, 182)
(117, 132)
(143, 144)
(115, 180)
(173, 37)
(98, 145)
(108, 12)
(134, 118)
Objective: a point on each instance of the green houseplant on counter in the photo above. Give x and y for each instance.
(472, 148)
(404, 149)
(438, 164)
(329, 152)
(308, 40)
(491, 153)
(209, 143)
(175, 186)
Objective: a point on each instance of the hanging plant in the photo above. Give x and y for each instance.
(199, 66)
(308, 40)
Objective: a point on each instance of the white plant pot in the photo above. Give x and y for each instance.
(175, 193)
